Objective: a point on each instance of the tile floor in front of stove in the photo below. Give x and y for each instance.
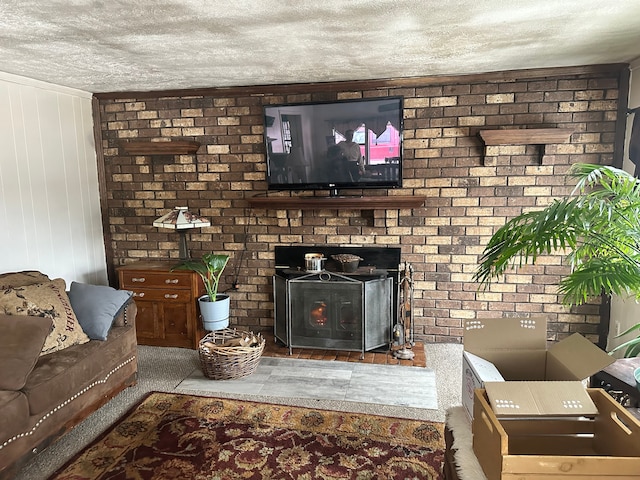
(331, 375)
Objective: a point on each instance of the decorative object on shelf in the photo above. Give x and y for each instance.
(214, 306)
(314, 262)
(523, 136)
(181, 219)
(347, 262)
(230, 353)
(598, 225)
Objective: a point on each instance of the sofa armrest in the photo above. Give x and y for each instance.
(127, 315)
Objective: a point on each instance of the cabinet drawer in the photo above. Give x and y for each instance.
(162, 295)
(136, 280)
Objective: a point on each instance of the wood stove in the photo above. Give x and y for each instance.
(332, 309)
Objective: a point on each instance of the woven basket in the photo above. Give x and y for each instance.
(223, 362)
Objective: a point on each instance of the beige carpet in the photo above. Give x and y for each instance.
(163, 369)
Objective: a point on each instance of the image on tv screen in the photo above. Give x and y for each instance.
(348, 144)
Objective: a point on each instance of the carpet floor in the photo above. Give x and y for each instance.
(177, 436)
(164, 368)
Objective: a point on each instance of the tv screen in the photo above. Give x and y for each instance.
(334, 145)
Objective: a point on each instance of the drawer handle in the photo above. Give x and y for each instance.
(141, 294)
(170, 295)
(169, 280)
(140, 280)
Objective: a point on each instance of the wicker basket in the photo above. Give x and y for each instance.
(220, 361)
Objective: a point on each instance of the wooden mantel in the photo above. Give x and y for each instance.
(172, 147)
(354, 203)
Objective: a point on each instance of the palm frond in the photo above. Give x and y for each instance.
(599, 276)
(597, 227)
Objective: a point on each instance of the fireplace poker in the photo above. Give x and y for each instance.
(403, 330)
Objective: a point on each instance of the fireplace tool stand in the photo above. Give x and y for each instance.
(403, 330)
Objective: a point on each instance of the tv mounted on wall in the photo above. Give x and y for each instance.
(306, 150)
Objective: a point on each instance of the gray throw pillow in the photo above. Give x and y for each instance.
(96, 306)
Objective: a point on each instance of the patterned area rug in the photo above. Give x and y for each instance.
(172, 436)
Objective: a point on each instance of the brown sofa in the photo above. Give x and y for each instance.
(46, 386)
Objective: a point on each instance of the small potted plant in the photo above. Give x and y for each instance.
(214, 306)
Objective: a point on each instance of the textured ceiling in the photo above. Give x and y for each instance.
(123, 45)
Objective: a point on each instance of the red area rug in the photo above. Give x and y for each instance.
(170, 436)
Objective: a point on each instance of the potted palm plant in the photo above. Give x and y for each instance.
(214, 306)
(598, 225)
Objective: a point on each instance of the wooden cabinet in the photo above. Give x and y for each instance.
(168, 313)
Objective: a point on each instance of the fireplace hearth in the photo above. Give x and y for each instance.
(331, 309)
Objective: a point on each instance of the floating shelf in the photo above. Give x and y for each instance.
(525, 136)
(354, 203)
(173, 147)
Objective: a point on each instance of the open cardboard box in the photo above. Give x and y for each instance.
(532, 399)
(515, 349)
(595, 447)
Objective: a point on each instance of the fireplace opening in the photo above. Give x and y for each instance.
(334, 310)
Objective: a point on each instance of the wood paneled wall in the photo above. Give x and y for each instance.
(49, 200)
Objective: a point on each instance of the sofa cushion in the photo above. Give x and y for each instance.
(20, 279)
(21, 341)
(96, 306)
(59, 377)
(15, 414)
(49, 300)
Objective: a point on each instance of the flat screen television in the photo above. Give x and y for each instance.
(308, 145)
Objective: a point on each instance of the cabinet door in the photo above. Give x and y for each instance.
(178, 329)
(148, 326)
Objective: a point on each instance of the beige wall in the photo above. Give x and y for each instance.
(49, 202)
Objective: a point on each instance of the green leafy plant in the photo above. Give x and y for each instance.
(597, 225)
(210, 269)
(631, 347)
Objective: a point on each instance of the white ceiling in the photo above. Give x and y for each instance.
(124, 45)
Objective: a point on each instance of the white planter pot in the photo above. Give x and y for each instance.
(215, 315)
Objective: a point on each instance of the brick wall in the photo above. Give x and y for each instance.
(467, 198)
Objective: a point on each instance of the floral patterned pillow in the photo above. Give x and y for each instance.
(49, 300)
(20, 279)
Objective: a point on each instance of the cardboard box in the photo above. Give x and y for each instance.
(533, 399)
(603, 446)
(515, 349)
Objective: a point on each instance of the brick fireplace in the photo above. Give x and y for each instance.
(444, 159)
(331, 309)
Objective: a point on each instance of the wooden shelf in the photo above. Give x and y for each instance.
(354, 203)
(526, 136)
(173, 147)
(523, 136)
